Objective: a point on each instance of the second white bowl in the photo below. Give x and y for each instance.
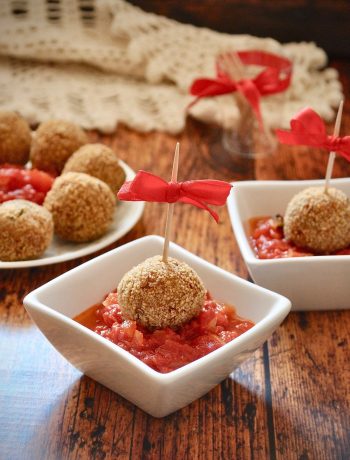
(53, 306)
(311, 283)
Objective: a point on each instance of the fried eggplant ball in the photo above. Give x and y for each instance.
(158, 294)
(53, 143)
(81, 205)
(15, 139)
(99, 161)
(318, 220)
(26, 230)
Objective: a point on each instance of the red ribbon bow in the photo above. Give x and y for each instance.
(148, 187)
(308, 128)
(274, 79)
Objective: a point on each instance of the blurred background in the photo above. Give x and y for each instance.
(325, 22)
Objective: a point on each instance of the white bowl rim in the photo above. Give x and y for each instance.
(280, 311)
(242, 237)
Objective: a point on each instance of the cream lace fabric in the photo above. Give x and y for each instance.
(100, 63)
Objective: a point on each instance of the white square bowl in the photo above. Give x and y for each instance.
(311, 283)
(54, 304)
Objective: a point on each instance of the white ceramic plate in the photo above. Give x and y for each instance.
(125, 217)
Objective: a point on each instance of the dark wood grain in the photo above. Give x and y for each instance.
(288, 401)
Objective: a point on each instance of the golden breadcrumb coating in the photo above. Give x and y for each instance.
(99, 161)
(26, 230)
(53, 143)
(15, 138)
(81, 205)
(158, 294)
(318, 221)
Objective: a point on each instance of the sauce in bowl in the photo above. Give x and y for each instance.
(165, 350)
(268, 241)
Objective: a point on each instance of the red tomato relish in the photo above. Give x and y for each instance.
(268, 241)
(17, 183)
(165, 350)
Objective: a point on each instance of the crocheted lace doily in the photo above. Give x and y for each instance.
(99, 63)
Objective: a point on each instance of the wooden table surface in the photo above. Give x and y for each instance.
(290, 400)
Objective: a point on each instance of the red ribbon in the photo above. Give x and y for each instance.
(308, 128)
(148, 187)
(274, 79)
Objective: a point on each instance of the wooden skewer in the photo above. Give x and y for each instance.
(236, 61)
(233, 66)
(170, 210)
(331, 157)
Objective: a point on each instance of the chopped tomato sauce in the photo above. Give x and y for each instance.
(165, 350)
(268, 241)
(17, 182)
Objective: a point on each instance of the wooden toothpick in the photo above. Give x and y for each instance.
(331, 157)
(170, 210)
(232, 65)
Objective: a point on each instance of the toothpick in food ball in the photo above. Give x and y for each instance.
(162, 291)
(318, 218)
